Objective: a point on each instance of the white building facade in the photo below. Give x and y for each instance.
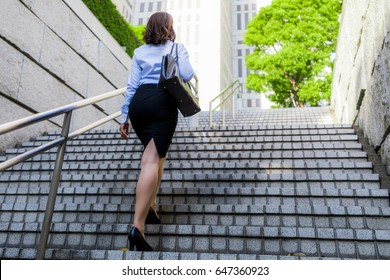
(199, 25)
(126, 8)
(243, 11)
(144, 9)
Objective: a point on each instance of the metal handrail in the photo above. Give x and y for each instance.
(236, 85)
(56, 142)
(61, 142)
(14, 125)
(196, 86)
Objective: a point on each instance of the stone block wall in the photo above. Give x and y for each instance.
(53, 53)
(361, 81)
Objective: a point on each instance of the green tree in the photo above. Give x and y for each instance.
(293, 41)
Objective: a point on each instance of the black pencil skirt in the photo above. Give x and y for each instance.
(153, 115)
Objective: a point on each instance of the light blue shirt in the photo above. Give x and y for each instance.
(146, 67)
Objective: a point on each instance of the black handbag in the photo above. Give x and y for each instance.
(188, 102)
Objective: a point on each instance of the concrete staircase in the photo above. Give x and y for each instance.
(274, 184)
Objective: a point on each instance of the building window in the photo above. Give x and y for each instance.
(159, 4)
(140, 21)
(238, 8)
(258, 104)
(238, 21)
(188, 35)
(246, 7)
(197, 34)
(239, 52)
(254, 8)
(142, 8)
(249, 103)
(150, 7)
(246, 19)
(178, 33)
(239, 64)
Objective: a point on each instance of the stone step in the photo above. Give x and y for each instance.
(279, 134)
(316, 216)
(212, 180)
(254, 130)
(275, 116)
(210, 144)
(121, 182)
(47, 169)
(279, 128)
(271, 131)
(236, 139)
(232, 196)
(213, 156)
(30, 254)
(313, 242)
(270, 167)
(243, 120)
(99, 146)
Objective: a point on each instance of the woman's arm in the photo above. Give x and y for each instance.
(132, 85)
(185, 68)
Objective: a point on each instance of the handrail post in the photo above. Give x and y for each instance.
(234, 107)
(211, 114)
(224, 98)
(53, 189)
(223, 114)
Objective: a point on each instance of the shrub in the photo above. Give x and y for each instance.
(106, 12)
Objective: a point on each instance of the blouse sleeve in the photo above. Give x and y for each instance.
(133, 83)
(185, 68)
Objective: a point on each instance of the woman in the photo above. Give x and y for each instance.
(153, 115)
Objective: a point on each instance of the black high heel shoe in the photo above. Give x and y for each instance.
(152, 217)
(138, 241)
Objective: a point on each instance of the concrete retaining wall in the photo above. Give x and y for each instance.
(362, 69)
(53, 53)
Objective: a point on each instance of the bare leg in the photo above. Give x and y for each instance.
(147, 181)
(160, 174)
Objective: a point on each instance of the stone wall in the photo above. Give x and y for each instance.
(53, 53)
(361, 81)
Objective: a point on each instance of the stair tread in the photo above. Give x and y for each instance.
(237, 209)
(56, 254)
(174, 231)
(205, 191)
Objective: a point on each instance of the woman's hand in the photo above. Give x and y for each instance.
(124, 130)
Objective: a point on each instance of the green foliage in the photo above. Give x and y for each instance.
(139, 31)
(293, 41)
(106, 12)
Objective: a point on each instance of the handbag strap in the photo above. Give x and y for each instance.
(177, 56)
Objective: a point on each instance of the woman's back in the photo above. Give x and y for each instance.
(149, 58)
